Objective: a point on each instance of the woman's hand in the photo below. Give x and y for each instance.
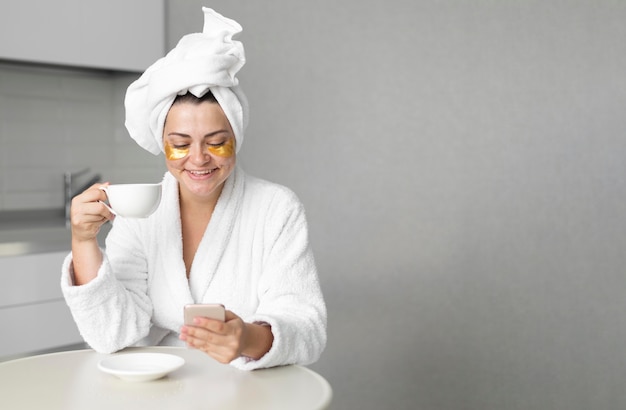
(226, 341)
(88, 214)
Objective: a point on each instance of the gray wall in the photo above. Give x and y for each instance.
(463, 167)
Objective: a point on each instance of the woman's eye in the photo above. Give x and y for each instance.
(177, 145)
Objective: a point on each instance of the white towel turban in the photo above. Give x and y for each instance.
(199, 62)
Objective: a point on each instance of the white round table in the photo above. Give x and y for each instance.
(72, 380)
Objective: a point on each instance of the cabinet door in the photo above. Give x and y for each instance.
(30, 279)
(113, 34)
(33, 313)
(31, 328)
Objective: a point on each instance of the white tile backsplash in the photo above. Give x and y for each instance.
(54, 120)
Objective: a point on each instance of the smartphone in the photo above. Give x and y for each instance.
(210, 310)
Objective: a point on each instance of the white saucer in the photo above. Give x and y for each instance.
(141, 367)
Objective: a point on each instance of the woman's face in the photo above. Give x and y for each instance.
(199, 148)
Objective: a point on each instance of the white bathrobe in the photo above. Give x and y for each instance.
(254, 258)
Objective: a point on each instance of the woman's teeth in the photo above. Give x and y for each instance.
(200, 172)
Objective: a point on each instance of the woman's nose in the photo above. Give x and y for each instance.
(199, 155)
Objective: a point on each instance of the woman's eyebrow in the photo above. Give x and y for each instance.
(210, 134)
(214, 133)
(178, 134)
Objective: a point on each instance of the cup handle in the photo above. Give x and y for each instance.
(104, 188)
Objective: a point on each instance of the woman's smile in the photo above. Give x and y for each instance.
(201, 174)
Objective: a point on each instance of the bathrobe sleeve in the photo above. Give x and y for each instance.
(290, 298)
(112, 311)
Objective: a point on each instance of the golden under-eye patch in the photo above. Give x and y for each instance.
(173, 153)
(227, 149)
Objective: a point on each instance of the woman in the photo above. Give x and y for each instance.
(218, 236)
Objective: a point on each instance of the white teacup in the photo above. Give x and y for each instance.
(133, 200)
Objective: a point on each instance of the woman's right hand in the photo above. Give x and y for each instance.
(88, 213)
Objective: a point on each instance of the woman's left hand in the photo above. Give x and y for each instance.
(226, 341)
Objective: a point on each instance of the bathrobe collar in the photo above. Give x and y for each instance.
(210, 251)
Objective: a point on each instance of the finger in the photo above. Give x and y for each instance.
(198, 336)
(90, 212)
(86, 208)
(204, 339)
(213, 325)
(91, 194)
(106, 211)
(218, 347)
(220, 352)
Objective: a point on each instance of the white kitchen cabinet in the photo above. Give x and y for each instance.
(33, 313)
(113, 34)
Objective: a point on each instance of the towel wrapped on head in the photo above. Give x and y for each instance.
(200, 62)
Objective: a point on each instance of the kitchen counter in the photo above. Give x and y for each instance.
(37, 231)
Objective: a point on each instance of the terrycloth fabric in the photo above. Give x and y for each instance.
(254, 258)
(200, 62)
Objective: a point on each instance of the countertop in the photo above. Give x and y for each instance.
(37, 231)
